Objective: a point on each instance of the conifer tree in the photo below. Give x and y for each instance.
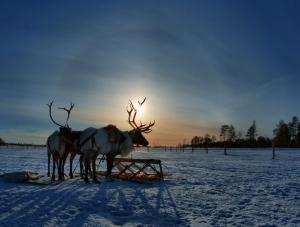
(231, 134)
(252, 132)
(293, 128)
(297, 138)
(224, 134)
(282, 134)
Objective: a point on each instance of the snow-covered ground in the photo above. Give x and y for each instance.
(244, 188)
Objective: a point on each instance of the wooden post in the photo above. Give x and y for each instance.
(176, 148)
(273, 152)
(225, 152)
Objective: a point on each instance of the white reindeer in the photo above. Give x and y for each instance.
(57, 145)
(56, 149)
(97, 141)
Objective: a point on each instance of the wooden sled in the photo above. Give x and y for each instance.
(135, 170)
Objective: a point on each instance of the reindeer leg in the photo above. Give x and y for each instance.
(86, 180)
(109, 163)
(63, 168)
(81, 166)
(72, 156)
(90, 169)
(53, 173)
(94, 170)
(49, 157)
(63, 162)
(60, 169)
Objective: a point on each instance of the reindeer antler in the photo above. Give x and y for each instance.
(51, 115)
(147, 128)
(143, 127)
(69, 111)
(142, 102)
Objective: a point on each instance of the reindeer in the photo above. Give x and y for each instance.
(57, 145)
(93, 142)
(133, 136)
(97, 141)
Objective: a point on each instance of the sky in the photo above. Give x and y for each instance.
(200, 65)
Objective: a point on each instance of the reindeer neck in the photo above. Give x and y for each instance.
(76, 134)
(127, 146)
(132, 134)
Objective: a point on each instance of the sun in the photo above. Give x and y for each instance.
(139, 108)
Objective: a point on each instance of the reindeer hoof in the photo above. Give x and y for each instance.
(87, 181)
(52, 179)
(109, 179)
(96, 181)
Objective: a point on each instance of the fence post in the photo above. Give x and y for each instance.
(225, 152)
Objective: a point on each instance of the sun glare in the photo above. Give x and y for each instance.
(139, 108)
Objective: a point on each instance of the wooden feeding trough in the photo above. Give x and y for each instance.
(137, 170)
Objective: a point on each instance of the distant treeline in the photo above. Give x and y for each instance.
(286, 135)
(3, 143)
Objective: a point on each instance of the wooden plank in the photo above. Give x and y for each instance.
(124, 170)
(136, 173)
(137, 160)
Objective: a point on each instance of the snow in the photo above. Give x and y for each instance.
(245, 188)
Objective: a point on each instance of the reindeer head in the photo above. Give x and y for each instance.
(64, 131)
(136, 134)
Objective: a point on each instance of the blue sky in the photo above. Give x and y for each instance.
(201, 64)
